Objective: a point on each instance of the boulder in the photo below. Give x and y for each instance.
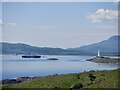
(10, 81)
(23, 78)
(76, 86)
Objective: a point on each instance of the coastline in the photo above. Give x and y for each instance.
(100, 77)
(105, 60)
(25, 79)
(19, 80)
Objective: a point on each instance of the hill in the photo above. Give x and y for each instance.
(107, 47)
(19, 48)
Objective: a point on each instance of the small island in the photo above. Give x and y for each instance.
(102, 59)
(52, 59)
(105, 60)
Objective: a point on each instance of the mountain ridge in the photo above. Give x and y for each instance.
(108, 47)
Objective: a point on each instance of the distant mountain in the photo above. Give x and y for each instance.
(19, 48)
(107, 47)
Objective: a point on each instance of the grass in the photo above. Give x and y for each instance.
(104, 79)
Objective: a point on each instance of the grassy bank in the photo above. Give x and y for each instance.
(92, 79)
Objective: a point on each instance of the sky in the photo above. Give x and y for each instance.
(60, 0)
(58, 24)
(0, 22)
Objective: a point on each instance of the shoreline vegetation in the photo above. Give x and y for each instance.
(89, 79)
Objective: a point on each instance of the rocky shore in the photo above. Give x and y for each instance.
(10, 82)
(74, 81)
(105, 60)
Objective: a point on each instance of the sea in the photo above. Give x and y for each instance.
(13, 66)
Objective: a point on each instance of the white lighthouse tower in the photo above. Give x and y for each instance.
(98, 53)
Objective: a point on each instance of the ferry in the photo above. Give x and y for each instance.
(31, 56)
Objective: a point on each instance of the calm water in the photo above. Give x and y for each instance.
(15, 66)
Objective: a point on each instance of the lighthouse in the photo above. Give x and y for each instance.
(100, 56)
(98, 53)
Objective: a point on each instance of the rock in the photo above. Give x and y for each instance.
(10, 81)
(23, 78)
(91, 77)
(14, 81)
(55, 75)
(90, 59)
(102, 75)
(92, 71)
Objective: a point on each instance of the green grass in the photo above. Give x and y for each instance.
(104, 79)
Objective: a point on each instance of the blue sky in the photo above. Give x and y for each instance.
(61, 25)
(0, 40)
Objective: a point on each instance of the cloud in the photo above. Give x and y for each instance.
(102, 15)
(117, 0)
(1, 22)
(9, 24)
(43, 27)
